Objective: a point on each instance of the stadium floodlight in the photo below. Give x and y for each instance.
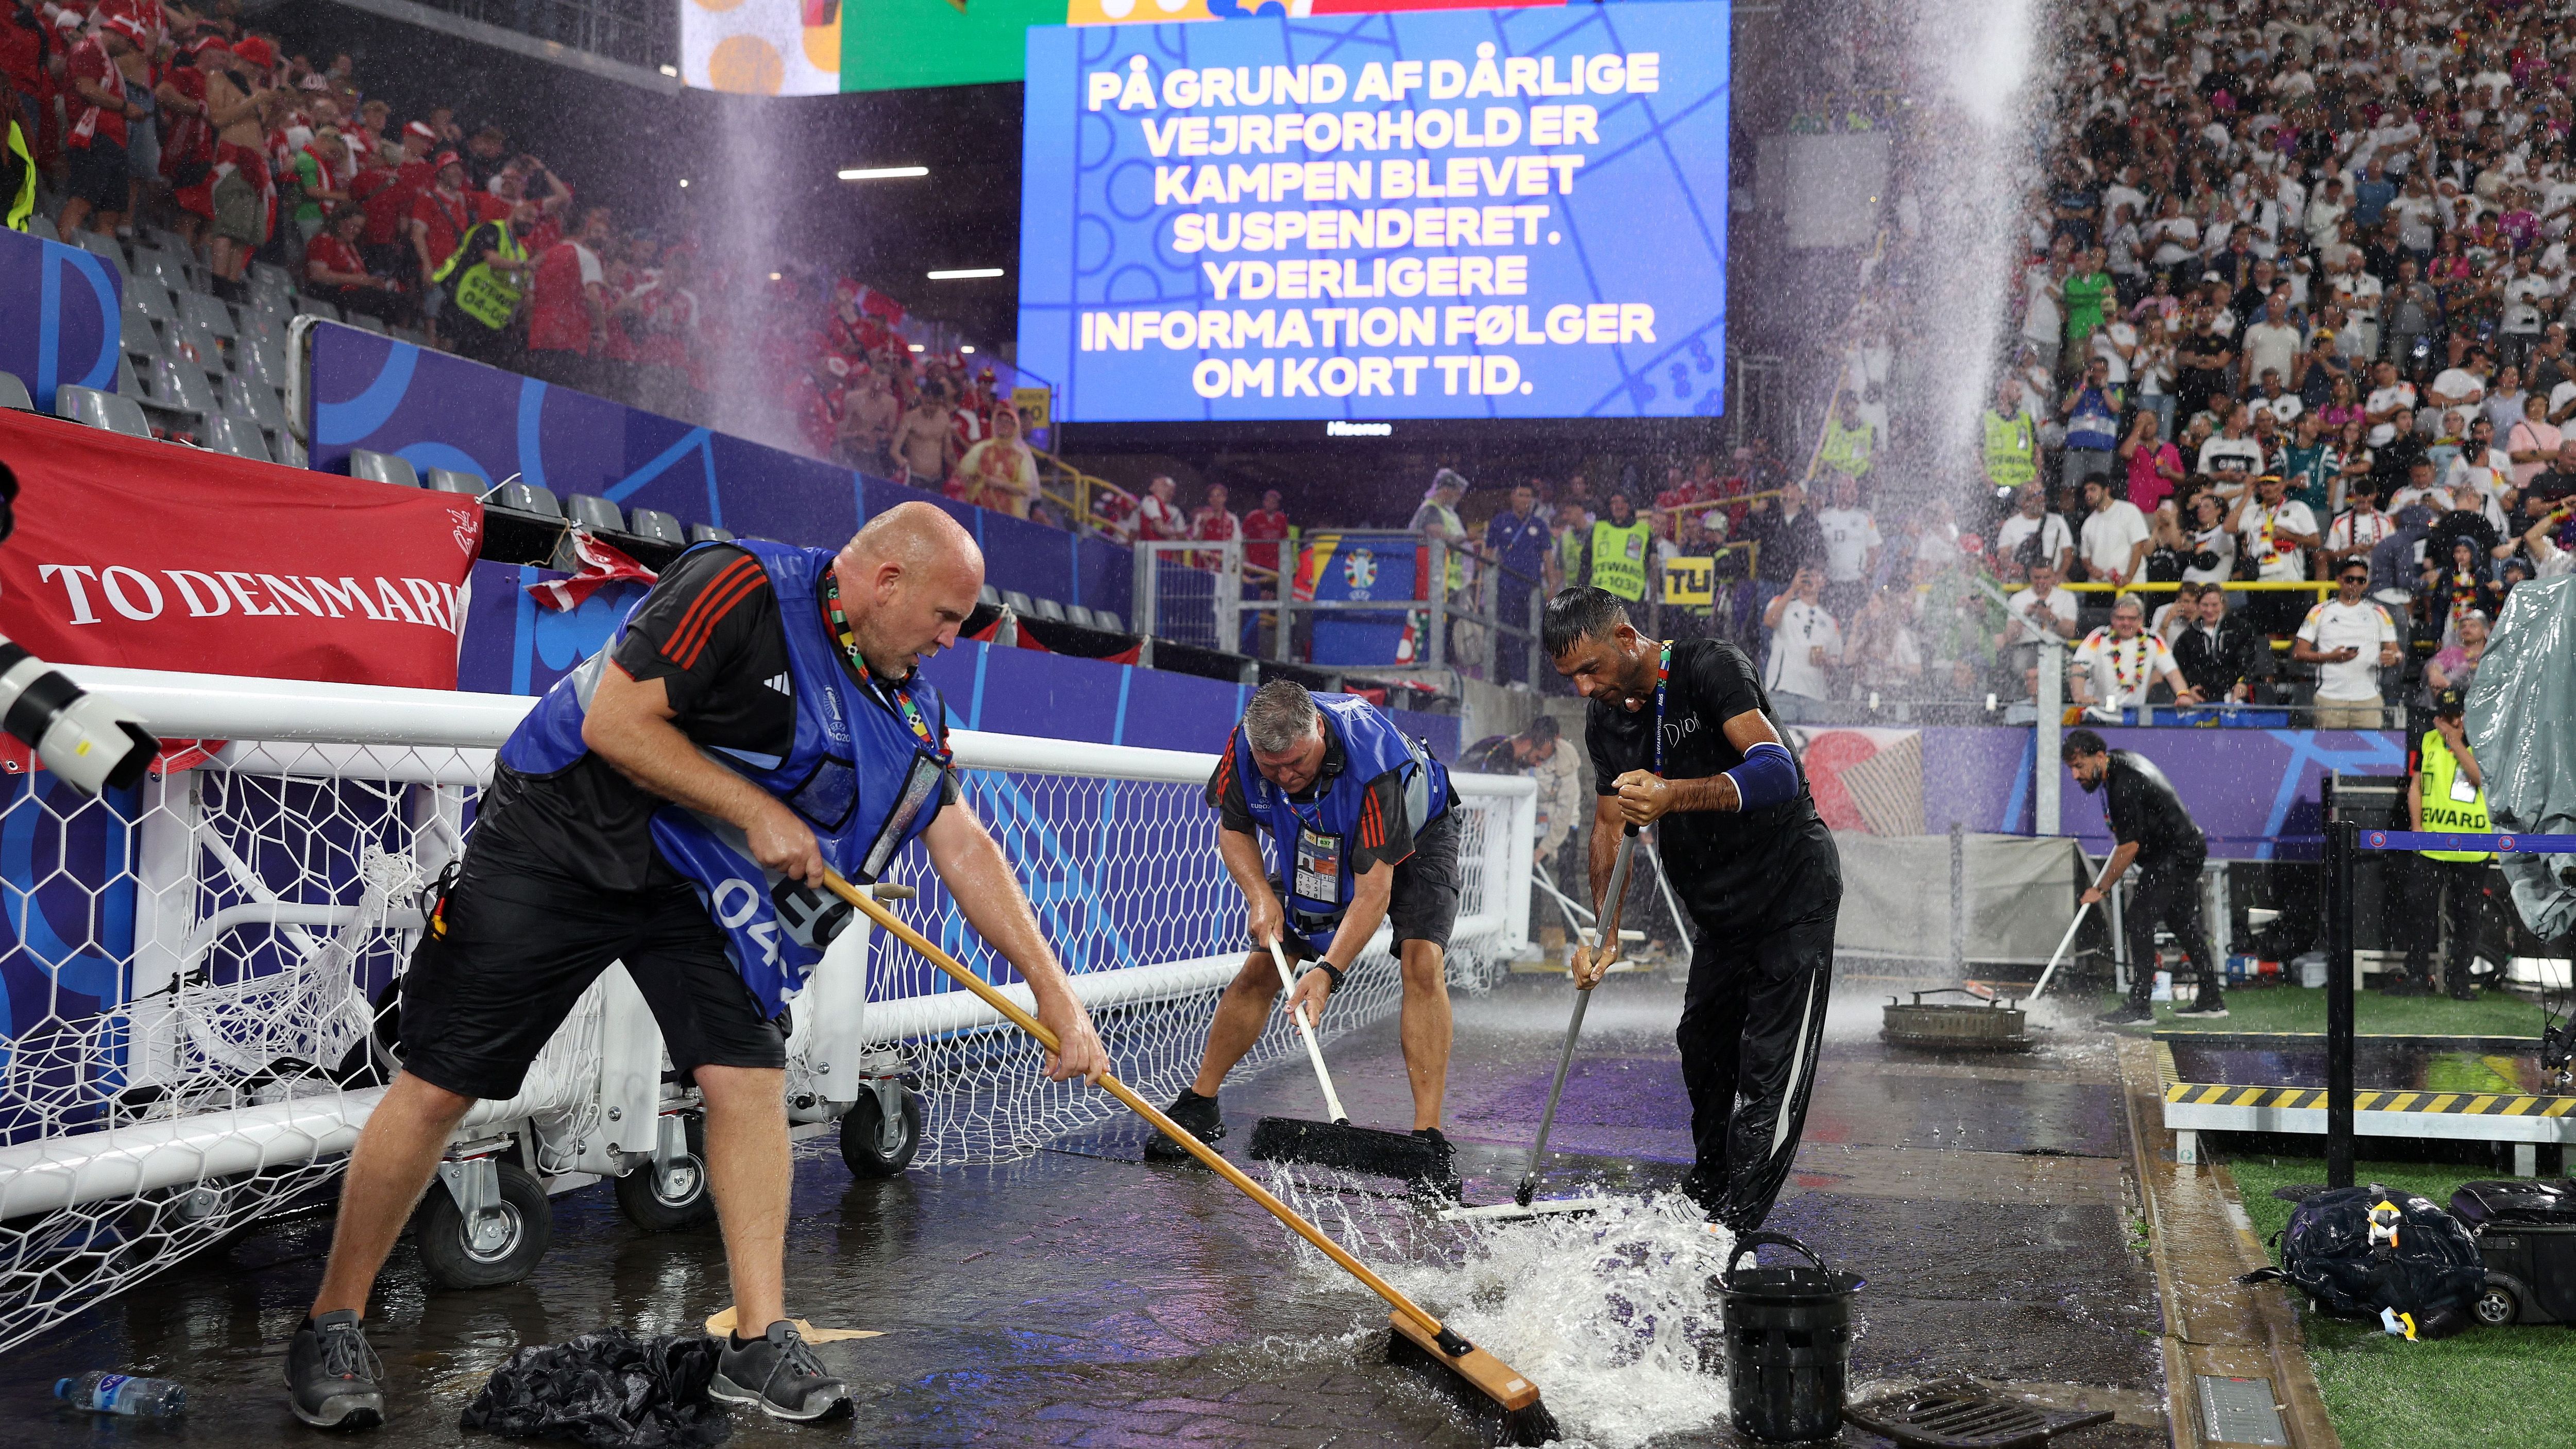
(966, 350)
(965, 274)
(883, 173)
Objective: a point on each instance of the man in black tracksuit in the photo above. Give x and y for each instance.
(1682, 737)
(2150, 829)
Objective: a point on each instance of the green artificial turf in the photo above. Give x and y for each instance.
(2292, 1008)
(2487, 1388)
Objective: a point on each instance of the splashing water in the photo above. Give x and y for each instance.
(1613, 1314)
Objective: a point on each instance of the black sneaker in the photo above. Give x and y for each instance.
(779, 1372)
(1197, 1116)
(2207, 1008)
(332, 1374)
(2410, 986)
(2127, 1013)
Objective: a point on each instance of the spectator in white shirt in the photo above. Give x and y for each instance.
(2033, 535)
(2232, 456)
(2458, 387)
(2275, 532)
(1852, 544)
(2115, 535)
(2389, 406)
(2271, 343)
(1805, 643)
(2115, 667)
(2032, 616)
(2350, 639)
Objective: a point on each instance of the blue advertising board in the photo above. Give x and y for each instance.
(1433, 214)
(64, 314)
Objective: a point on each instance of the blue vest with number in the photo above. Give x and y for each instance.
(856, 775)
(1311, 840)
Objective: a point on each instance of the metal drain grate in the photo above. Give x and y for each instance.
(2239, 1411)
(1962, 1414)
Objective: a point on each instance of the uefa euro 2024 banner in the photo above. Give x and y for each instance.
(1498, 213)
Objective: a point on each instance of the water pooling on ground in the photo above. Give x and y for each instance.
(1613, 1314)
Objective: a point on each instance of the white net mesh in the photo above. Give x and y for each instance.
(190, 971)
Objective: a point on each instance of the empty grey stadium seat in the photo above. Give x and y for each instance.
(1047, 609)
(154, 265)
(589, 510)
(13, 393)
(104, 247)
(377, 467)
(709, 533)
(254, 399)
(1018, 602)
(1108, 619)
(412, 335)
(656, 525)
(240, 437)
(527, 498)
(989, 595)
(268, 276)
(166, 239)
(208, 314)
(89, 406)
(179, 386)
(188, 342)
(265, 359)
(365, 323)
(152, 299)
(127, 384)
(43, 226)
(316, 307)
(450, 480)
(1076, 614)
(138, 332)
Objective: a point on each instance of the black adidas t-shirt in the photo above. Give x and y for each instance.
(1731, 869)
(1385, 830)
(710, 631)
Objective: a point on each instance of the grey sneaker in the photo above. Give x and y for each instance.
(2127, 1013)
(1195, 1115)
(779, 1372)
(2207, 1008)
(332, 1374)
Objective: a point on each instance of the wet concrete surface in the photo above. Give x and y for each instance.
(1082, 1297)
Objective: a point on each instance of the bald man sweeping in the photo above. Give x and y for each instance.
(672, 804)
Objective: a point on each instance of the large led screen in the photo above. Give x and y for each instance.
(1462, 214)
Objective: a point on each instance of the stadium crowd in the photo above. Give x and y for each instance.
(140, 112)
(2292, 305)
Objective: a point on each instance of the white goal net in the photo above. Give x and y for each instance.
(192, 966)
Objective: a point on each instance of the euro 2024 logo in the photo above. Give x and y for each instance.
(1359, 572)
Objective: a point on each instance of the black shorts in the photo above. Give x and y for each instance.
(522, 942)
(1423, 904)
(99, 173)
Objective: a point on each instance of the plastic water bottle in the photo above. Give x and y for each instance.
(108, 1393)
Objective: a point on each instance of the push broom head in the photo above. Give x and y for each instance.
(1346, 1148)
(1491, 1387)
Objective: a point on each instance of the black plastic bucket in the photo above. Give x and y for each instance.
(1788, 1343)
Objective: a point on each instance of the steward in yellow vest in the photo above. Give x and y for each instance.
(484, 279)
(1621, 546)
(2011, 439)
(2448, 793)
(1849, 442)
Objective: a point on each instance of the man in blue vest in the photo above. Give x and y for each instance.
(1360, 832)
(673, 804)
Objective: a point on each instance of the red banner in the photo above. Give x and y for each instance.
(150, 555)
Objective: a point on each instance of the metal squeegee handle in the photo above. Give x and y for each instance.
(1142, 1108)
(1607, 914)
(2069, 938)
(1314, 1053)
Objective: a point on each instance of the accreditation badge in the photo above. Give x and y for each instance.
(1319, 866)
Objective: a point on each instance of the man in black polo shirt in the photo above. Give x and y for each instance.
(1681, 733)
(2155, 833)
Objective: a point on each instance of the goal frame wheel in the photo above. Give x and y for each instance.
(516, 1233)
(648, 1194)
(864, 1140)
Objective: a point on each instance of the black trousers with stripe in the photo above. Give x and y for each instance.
(1753, 1020)
(2167, 893)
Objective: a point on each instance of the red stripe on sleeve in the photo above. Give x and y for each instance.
(735, 593)
(698, 607)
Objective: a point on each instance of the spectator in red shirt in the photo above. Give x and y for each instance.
(661, 314)
(818, 404)
(335, 272)
(440, 216)
(100, 111)
(1157, 516)
(188, 138)
(1263, 527)
(568, 309)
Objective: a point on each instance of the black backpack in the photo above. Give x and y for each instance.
(2334, 1252)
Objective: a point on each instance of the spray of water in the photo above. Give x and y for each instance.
(1972, 168)
(1614, 1315)
(743, 244)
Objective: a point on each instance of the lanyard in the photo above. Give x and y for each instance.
(1663, 676)
(902, 693)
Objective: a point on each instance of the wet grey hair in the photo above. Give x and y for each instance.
(1281, 717)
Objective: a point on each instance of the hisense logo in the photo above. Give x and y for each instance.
(1339, 429)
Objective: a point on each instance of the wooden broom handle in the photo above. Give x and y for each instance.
(1142, 1108)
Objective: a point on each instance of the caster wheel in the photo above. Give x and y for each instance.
(673, 1199)
(506, 1247)
(2496, 1307)
(874, 1147)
